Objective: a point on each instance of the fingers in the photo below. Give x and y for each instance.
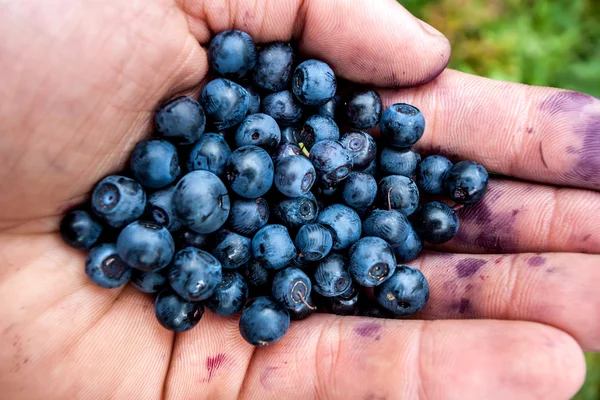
(359, 358)
(368, 41)
(517, 217)
(534, 133)
(557, 289)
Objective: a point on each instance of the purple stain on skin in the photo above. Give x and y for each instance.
(213, 364)
(469, 267)
(464, 305)
(266, 375)
(369, 330)
(530, 130)
(536, 261)
(586, 237)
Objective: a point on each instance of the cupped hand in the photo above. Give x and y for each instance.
(80, 82)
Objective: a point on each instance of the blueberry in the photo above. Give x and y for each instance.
(253, 99)
(359, 190)
(291, 287)
(362, 108)
(160, 209)
(329, 109)
(332, 161)
(246, 217)
(273, 246)
(331, 277)
(372, 261)
(260, 130)
(435, 222)
(398, 161)
(104, 267)
(257, 276)
(273, 69)
(303, 310)
(410, 249)
(284, 150)
(316, 129)
(194, 274)
(230, 296)
(314, 242)
(405, 293)
(371, 169)
(80, 230)
(225, 102)
(402, 124)
(399, 193)
(344, 304)
(390, 225)
(188, 238)
(232, 54)
(344, 223)
(290, 134)
(233, 250)
(175, 313)
(250, 172)
(263, 321)
(201, 201)
(209, 153)
(294, 176)
(154, 163)
(181, 120)
(283, 107)
(295, 212)
(431, 174)
(362, 147)
(466, 182)
(149, 282)
(146, 246)
(118, 200)
(313, 83)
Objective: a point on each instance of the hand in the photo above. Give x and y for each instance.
(80, 83)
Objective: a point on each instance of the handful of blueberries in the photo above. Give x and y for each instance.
(296, 219)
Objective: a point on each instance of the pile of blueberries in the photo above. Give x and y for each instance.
(276, 214)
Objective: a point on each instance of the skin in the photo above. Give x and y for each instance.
(80, 83)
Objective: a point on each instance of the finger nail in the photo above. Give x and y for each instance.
(430, 30)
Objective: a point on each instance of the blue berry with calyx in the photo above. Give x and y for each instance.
(258, 278)
(399, 193)
(344, 224)
(259, 130)
(283, 107)
(146, 246)
(359, 190)
(313, 242)
(160, 209)
(331, 277)
(284, 150)
(332, 161)
(316, 129)
(263, 321)
(371, 261)
(431, 174)
(155, 163)
(403, 162)
(247, 216)
(390, 225)
(194, 274)
(230, 296)
(298, 211)
(250, 172)
(362, 108)
(232, 54)
(405, 293)
(402, 125)
(361, 146)
(291, 287)
(149, 282)
(105, 268)
(329, 109)
(225, 103)
(232, 249)
(314, 83)
(294, 176)
(273, 246)
(118, 200)
(303, 310)
(80, 230)
(289, 134)
(253, 99)
(209, 153)
(466, 182)
(410, 249)
(175, 313)
(345, 304)
(181, 120)
(273, 69)
(188, 238)
(201, 201)
(435, 222)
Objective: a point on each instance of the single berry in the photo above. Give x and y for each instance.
(233, 250)
(80, 230)
(344, 224)
(175, 313)
(283, 107)
(314, 83)
(209, 153)
(259, 130)
(104, 267)
(394, 161)
(149, 282)
(160, 209)
(390, 225)
(405, 293)
(247, 216)
(154, 163)
(194, 274)
(225, 102)
(431, 174)
(399, 193)
(181, 120)
(402, 125)
(331, 277)
(232, 54)
(273, 69)
(118, 200)
(410, 248)
(359, 190)
(435, 222)
(314, 242)
(332, 161)
(466, 182)
(372, 261)
(362, 108)
(250, 172)
(298, 211)
(263, 321)
(291, 287)
(146, 246)
(316, 129)
(294, 176)
(273, 246)
(361, 146)
(230, 296)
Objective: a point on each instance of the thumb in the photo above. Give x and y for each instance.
(374, 42)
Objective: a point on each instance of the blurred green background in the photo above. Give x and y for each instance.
(538, 42)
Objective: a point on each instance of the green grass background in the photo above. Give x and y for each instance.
(538, 42)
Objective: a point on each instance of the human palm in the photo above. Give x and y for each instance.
(80, 82)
